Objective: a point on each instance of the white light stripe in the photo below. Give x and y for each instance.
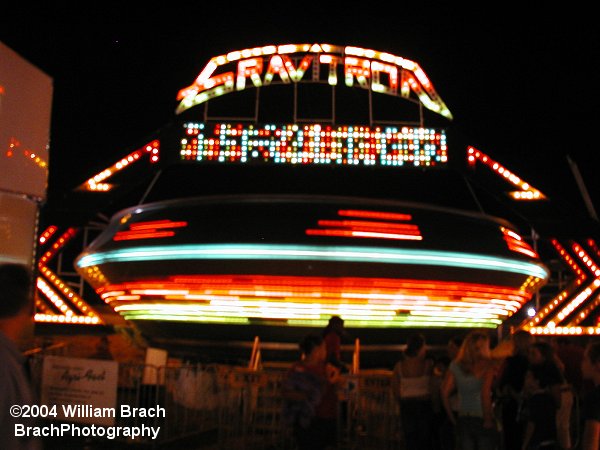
(289, 252)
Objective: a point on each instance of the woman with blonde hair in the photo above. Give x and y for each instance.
(471, 374)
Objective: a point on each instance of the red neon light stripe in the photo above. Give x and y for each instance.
(157, 224)
(374, 214)
(356, 224)
(384, 230)
(516, 243)
(131, 235)
(523, 250)
(363, 234)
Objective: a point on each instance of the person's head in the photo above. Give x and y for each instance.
(103, 344)
(541, 352)
(336, 324)
(522, 342)
(454, 344)
(313, 348)
(475, 347)
(415, 345)
(16, 304)
(590, 366)
(440, 365)
(537, 377)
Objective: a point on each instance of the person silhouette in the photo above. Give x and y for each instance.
(16, 324)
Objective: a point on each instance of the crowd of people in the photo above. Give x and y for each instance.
(467, 397)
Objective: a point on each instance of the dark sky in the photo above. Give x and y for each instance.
(521, 85)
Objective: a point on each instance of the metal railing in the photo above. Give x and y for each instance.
(223, 406)
(240, 407)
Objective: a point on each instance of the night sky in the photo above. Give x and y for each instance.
(521, 85)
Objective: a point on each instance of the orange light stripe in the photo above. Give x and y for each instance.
(264, 281)
(299, 285)
(60, 242)
(550, 310)
(48, 233)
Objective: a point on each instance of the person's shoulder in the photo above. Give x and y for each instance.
(5, 371)
(8, 360)
(454, 368)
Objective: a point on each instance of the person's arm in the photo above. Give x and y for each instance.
(556, 391)
(448, 387)
(333, 374)
(527, 434)
(486, 398)
(591, 435)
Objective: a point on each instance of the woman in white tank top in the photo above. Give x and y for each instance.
(412, 387)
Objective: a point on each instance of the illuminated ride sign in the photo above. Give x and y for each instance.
(320, 63)
(314, 144)
(415, 280)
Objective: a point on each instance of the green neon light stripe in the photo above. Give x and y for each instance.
(407, 319)
(314, 253)
(319, 323)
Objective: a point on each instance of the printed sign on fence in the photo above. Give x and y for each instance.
(84, 390)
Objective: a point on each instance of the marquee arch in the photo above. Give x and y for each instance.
(374, 70)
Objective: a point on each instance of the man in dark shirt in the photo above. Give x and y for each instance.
(510, 387)
(541, 431)
(16, 322)
(571, 355)
(590, 368)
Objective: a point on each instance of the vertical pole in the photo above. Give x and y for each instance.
(295, 103)
(370, 108)
(254, 352)
(534, 239)
(256, 105)
(356, 357)
(333, 105)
